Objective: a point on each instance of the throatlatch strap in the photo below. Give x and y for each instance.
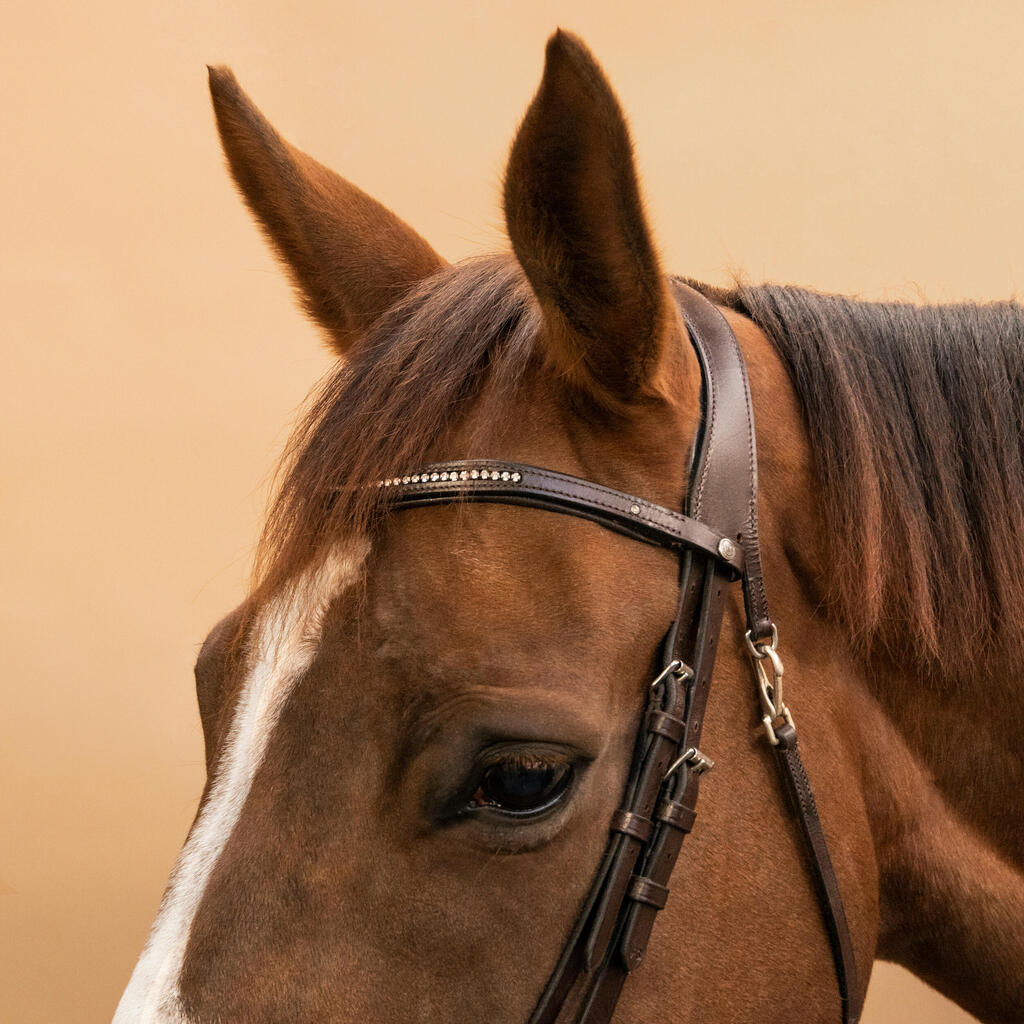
(798, 789)
(724, 491)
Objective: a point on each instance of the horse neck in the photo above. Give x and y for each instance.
(965, 733)
(963, 727)
(931, 763)
(942, 779)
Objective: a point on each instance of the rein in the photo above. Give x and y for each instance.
(717, 543)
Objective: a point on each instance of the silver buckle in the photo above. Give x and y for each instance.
(674, 667)
(699, 762)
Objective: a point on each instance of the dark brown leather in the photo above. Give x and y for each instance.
(798, 788)
(632, 824)
(648, 892)
(445, 482)
(677, 814)
(588, 978)
(582, 966)
(666, 725)
(723, 483)
(610, 936)
(666, 843)
(724, 492)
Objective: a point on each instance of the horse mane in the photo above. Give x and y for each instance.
(914, 412)
(916, 421)
(391, 403)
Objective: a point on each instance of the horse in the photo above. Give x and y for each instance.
(419, 724)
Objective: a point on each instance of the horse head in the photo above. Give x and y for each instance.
(419, 725)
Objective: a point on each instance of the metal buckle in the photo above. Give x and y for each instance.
(699, 762)
(674, 667)
(769, 724)
(766, 652)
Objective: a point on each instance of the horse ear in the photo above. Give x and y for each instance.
(576, 221)
(350, 257)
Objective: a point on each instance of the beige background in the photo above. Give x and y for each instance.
(153, 359)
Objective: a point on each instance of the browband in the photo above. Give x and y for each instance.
(512, 483)
(718, 543)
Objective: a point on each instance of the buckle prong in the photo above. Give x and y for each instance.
(674, 667)
(699, 762)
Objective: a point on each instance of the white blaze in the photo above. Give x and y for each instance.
(286, 638)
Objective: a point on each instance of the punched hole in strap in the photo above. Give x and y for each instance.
(676, 814)
(646, 890)
(630, 824)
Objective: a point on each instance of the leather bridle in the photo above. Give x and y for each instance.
(718, 544)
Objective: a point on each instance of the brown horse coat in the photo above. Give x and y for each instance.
(332, 873)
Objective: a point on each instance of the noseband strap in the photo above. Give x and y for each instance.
(718, 544)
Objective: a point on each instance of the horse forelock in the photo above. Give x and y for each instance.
(465, 334)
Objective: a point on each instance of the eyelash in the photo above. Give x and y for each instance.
(521, 785)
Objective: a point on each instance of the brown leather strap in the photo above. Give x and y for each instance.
(632, 824)
(677, 814)
(718, 541)
(723, 484)
(647, 892)
(666, 843)
(798, 788)
(513, 483)
(667, 725)
(585, 985)
(724, 492)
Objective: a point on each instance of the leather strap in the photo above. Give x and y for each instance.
(718, 543)
(724, 491)
(723, 484)
(610, 936)
(664, 848)
(798, 789)
(513, 483)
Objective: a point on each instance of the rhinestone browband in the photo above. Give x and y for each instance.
(453, 474)
(515, 483)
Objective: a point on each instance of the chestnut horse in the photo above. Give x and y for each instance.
(418, 726)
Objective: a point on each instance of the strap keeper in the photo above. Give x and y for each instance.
(676, 814)
(663, 724)
(646, 890)
(630, 824)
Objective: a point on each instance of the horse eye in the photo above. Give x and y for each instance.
(522, 786)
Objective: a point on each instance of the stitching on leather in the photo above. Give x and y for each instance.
(753, 542)
(802, 783)
(441, 486)
(708, 446)
(548, 474)
(751, 547)
(642, 502)
(680, 526)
